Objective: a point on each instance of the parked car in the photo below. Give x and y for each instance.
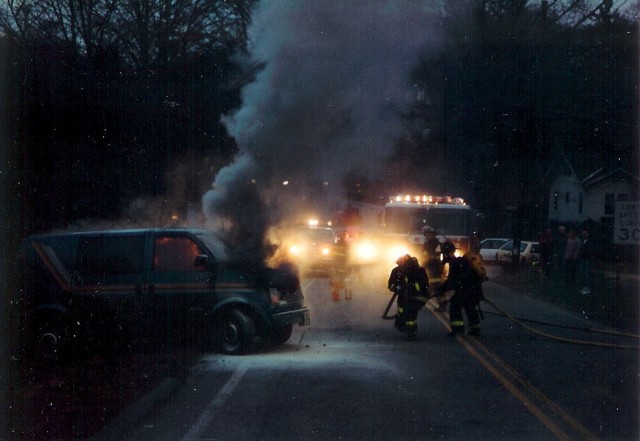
(489, 247)
(529, 253)
(90, 289)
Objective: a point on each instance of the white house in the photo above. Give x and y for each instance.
(574, 201)
(604, 188)
(566, 199)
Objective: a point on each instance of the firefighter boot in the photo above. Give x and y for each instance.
(475, 330)
(474, 326)
(400, 320)
(457, 327)
(411, 330)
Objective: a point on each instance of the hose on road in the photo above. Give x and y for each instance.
(385, 314)
(520, 322)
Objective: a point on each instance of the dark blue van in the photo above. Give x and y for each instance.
(85, 288)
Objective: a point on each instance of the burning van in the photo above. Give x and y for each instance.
(87, 289)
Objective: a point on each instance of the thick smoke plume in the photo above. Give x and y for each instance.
(328, 100)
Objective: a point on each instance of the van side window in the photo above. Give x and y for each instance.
(175, 253)
(104, 255)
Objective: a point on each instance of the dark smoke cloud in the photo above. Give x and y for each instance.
(328, 100)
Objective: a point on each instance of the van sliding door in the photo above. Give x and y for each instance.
(110, 269)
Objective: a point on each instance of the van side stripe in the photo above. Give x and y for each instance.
(53, 264)
(218, 288)
(231, 285)
(166, 287)
(94, 288)
(181, 287)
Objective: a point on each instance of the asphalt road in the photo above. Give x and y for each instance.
(351, 376)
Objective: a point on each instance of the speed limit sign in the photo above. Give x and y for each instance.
(627, 223)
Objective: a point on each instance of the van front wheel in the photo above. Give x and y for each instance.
(281, 335)
(234, 332)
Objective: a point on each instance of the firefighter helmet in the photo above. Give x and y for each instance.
(427, 229)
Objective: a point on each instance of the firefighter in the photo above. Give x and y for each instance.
(339, 278)
(463, 281)
(410, 282)
(433, 264)
(477, 263)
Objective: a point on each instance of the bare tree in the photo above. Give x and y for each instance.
(21, 19)
(82, 25)
(146, 32)
(159, 32)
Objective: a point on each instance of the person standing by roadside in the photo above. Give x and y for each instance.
(586, 255)
(559, 249)
(546, 242)
(571, 253)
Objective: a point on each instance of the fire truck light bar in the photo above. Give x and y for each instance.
(427, 199)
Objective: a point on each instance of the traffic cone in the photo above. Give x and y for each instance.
(335, 290)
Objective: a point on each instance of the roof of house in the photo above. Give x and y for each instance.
(602, 176)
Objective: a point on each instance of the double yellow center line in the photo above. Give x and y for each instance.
(556, 419)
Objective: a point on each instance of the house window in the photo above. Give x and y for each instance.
(555, 201)
(580, 204)
(609, 204)
(623, 197)
(566, 198)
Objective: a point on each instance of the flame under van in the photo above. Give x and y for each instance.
(86, 289)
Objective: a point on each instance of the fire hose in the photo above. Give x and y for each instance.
(519, 322)
(385, 314)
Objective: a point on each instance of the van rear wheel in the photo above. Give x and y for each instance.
(235, 332)
(51, 338)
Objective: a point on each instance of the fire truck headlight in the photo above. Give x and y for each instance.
(365, 251)
(295, 250)
(325, 251)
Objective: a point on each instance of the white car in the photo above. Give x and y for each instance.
(489, 247)
(529, 253)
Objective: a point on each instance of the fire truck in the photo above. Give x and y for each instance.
(406, 215)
